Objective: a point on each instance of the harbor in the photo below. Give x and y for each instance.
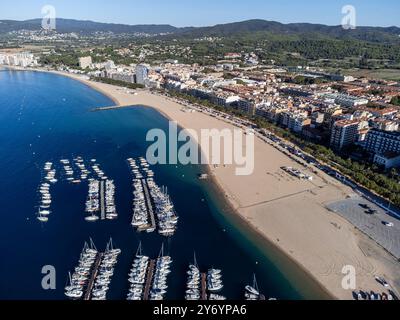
(110, 138)
(100, 201)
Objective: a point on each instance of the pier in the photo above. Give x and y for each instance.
(88, 293)
(149, 278)
(102, 202)
(203, 286)
(149, 206)
(110, 108)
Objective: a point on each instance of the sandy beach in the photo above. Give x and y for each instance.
(289, 212)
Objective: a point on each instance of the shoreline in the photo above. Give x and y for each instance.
(213, 180)
(275, 221)
(266, 245)
(251, 230)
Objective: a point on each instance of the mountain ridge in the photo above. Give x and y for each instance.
(375, 34)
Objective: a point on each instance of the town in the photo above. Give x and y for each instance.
(350, 123)
(200, 152)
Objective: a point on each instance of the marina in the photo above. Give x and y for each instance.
(109, 205)
(152, 206)
(45, 202)
(93, 201)
(104, 272)
(75, 171)
(203, 286)
(109, 138)
(81, 281)
(141, 271)
(100, 201)
(148, 278)
(92, 276)
(159, 279)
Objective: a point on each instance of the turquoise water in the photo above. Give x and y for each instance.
(46, 117)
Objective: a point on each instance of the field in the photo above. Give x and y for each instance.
(385, 74)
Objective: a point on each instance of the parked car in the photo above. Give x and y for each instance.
(388, 224)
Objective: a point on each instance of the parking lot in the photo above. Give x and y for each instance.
(355, 212)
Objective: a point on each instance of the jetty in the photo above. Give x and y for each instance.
(95, 271)
(149, 279)
(203, 286)
(102, 201)
(149, 206)
(110, 108)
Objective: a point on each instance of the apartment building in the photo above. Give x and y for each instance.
(141, 74)
(381, 142)
(344, 133)
(384, 124)
(345, 100)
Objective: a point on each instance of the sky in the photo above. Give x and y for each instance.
(182, 13)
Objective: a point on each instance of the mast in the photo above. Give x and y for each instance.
(195, 260)
(255, 285)
(111, 244)
(139, 250)
(162, 251)
(92, 245)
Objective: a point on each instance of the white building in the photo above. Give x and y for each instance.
(344, 133)
(22, 59)
(346, 100)
(85, 62)
(109, 65)
(142, 73)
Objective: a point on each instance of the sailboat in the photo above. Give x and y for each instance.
(92, 248)
(193, 292)
(42, 218)
(73, 291)
(92, 218)
(110, 248)
(253, 292)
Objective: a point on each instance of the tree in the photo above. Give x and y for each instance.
(396, 101)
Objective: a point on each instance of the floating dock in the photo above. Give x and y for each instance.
(149, 279)
(203, 286)
(102, 201)
(149, 205)
(89, 289)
